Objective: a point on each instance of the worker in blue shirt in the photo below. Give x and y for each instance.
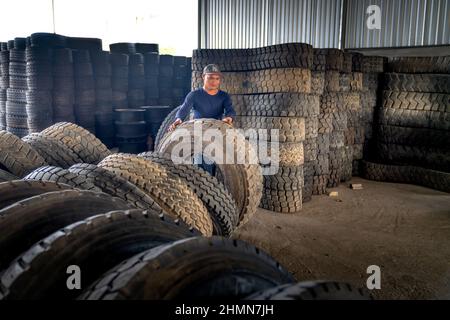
(208, 102)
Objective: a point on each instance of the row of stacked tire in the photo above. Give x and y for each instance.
(118, 218)
(313, 97)
(155, 79)
(49, 78)
(413, 128)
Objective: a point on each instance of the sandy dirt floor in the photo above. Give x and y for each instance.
(403, 229)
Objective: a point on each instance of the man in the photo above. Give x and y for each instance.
(208, 102)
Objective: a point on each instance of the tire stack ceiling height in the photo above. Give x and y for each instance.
(63, 86)
(136, 81)
(271, 89)
(104, 122)
(166, 72)
(84, 90)
(16, 112)
(4, 82)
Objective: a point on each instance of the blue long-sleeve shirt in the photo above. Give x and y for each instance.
(206, 105)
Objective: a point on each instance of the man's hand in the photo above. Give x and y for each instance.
(228, 120)
(175, 125)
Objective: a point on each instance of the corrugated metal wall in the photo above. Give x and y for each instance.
(404, 23)
(255, 23)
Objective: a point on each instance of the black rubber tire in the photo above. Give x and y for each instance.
(6, 176)
(406, 174)
(17, 190)
(169, 192)
(433, 83)
(54, 152)
(81, 141)
(17, 156)
(420, 64)
(317, 290)
(30, 220)
(163, 129)
(60, 175)
(116, 186)
(221, 268)
(99, 244)
(219, 202)
(243, 180)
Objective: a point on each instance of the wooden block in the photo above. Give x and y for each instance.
(356, 186)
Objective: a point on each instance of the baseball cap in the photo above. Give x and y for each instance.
(211, 68)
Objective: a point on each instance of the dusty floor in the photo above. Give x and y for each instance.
(404, 229)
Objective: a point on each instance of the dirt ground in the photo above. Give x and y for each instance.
(403, 229)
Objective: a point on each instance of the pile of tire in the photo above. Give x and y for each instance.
(63, 86)
(129, 254)
(179, 79)
(16, 111)
(85, 102)
(271, 89)
(104, 122)
(413, 122)
(40, 85)
(136, 81)
(151, 60)
(4, 82)
(119, 80)
(165, 80)
(131, 130)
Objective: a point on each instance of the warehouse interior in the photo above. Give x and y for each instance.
(103, 169)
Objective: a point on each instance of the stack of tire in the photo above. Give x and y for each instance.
(165, 80)
(154, 117)
(40, 85)
(136, 81)
(372, 68)
(4, 82)
(63, 86)
(333, 116)
(321, 169)
(119, 218)
(104, 118)
(151, 78)
(271, 89)
(16, 111)
(179, 79)
(351, 84)
(414, 126)
(119, 80)
(131, 130)
(85, 106)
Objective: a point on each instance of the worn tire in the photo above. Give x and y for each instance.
(168, 191)
(30, 220)
(216, 198)
(163, 129)
(54, 152)
(432, 83)
(243, 181)
(166, 272)
(317, 290)
(81, 141)
(60, 175)
(406, 174)
(95, 245)
(17, 190)
(420, 65)
(17, 156)
(116, 186)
